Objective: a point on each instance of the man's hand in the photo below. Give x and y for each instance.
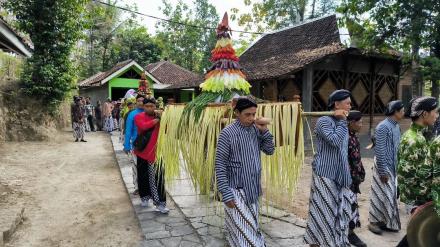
(341, 114)
(230, 204)
(384, 179)
(261, 127)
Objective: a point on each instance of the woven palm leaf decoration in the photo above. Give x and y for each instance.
(189, 133)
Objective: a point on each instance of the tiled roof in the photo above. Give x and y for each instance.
(96, 79)
(20, 36)
(177, 77)
(288, 50)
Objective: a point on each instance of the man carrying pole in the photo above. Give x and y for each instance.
(330, 209)
(238, 173)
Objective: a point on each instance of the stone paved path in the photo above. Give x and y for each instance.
(194, 220)
(159, 230)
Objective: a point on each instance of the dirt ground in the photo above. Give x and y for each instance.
(72, 193)
(299, 206)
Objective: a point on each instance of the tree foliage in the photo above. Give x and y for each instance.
(267, 15)
(10, 66)
(402, 25)
(133, 42)
(111, 36)
(54, 26)
(92, 51)
(187, 46)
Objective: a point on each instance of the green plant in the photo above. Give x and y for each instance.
(54, 27)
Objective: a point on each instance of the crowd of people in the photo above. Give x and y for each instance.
(137, 117)
(406, 167)
(87, 117)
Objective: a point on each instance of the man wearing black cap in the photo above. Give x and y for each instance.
(151, 176)
(329, 208)
(357, 171)
(238, 173)
(384, 211)
(419, 172)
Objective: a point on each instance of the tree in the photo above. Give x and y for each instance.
(188, 45)
(101, 24)
(54, 26)
(399, 24)
(206, 15)
(133, 42)
(431, 64)
(268, 15)
(10, 66)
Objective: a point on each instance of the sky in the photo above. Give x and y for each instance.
(151, 7)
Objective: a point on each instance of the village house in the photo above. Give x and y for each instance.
(314, 58)
(166, 79)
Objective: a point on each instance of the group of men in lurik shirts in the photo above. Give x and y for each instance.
(410, 163)
(407, 167)
(148, 176)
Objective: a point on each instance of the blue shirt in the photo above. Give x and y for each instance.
(387, 136)
(238, 160)
(331, 158)
(131, 129)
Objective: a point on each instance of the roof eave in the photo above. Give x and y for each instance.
(21, 47)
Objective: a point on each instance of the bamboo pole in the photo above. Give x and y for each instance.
(318, 113)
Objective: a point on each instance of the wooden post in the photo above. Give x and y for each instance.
(307, 88)
(275, 91)
(372, 94)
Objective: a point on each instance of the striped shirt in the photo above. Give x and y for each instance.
(238, 160)
(331, 158)
(387, 136)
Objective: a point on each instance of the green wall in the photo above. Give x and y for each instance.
(186, 95)
(126, 83)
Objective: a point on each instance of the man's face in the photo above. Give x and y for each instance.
(140, 102)
(130, 107)
(355, 126)
(343, 104)
(430, 117)
(400, 114)
(149, 108)
(247, 116)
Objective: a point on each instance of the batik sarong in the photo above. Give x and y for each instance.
(78, 130)
(241, 223)
(383, 202)
(355, 217)
(329, 213)
(108, 124)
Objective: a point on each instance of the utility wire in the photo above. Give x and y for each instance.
(168, 20)
(190, 25)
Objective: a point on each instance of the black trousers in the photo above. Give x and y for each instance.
(151, 181)
(90, 119)
(98, 124)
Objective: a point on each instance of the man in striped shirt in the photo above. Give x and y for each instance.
(384, 211)
(238, 173)
(330, 207)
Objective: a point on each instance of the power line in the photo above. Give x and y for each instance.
(168, 20)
